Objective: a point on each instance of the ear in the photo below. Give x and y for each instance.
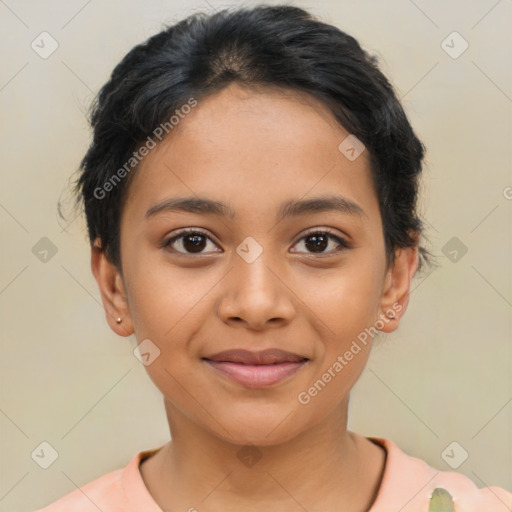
(395, 294)
(112, 291)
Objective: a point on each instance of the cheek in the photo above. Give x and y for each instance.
(346, 309)
(345, 299)
(164, 297)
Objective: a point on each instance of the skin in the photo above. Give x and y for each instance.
(255, 149)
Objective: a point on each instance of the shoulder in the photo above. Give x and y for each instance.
(411, 485)
(116, 491)
(91, 495)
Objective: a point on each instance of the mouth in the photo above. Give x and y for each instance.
(256, 369)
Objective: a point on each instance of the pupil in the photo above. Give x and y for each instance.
(197, 243)
(320, 242)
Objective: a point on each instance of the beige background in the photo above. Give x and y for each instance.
(444, 376)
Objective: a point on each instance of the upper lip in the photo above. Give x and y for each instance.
(269, 356)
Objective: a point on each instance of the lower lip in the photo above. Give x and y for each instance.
(256, 376)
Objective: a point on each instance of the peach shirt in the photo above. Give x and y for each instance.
(407, 486)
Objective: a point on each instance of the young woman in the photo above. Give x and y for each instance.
(250, 194)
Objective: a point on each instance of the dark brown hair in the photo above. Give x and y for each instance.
(281, 46)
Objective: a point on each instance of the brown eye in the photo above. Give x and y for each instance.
(318, 241)
(189, 242)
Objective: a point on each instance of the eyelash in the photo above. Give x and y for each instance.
(194, 231)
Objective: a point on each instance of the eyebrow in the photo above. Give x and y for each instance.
(290, 208)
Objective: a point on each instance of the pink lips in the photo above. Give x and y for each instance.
(256, 369)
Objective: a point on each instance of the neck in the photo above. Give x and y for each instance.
(326, 467)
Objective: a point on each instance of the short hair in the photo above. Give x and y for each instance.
(275, 46)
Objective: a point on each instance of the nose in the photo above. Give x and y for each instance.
(255, 296)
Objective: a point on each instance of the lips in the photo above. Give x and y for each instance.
(256, 369)
(269, 356)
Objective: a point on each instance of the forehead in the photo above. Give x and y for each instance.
(254, 149)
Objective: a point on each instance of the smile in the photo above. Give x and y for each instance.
(256, 375)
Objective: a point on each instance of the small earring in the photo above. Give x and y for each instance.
(390, 314)
(118, 320)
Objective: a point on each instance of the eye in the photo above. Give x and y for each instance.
(189, 241)
(319, 240)
(194, 241)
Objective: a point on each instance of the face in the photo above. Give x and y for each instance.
(286, 252)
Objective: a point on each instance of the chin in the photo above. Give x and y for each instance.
(259, 428)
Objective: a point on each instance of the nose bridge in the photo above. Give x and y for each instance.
(256, 277)
(254, 292)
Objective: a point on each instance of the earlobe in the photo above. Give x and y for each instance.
(113, 294)
(395, 295)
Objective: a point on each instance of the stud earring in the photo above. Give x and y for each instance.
(390, 314)
(118, 320)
